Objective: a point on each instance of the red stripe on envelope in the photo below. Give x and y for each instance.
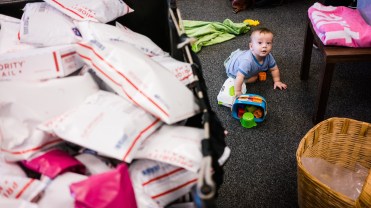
(174, 189)
(110, 78)
(24, 188)
(56, 61)
(63, 7)
(123, 76)
(186, 77)
(32, 149)
(162, 176)
(68, 54)
(139, 136)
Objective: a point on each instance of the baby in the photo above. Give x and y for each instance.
(246, 64)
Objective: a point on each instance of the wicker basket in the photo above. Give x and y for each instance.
(341, 141)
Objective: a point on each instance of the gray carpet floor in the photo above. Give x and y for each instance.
(261, 171)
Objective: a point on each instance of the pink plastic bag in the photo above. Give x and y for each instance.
(340, 26)
(109, 189)
(54, 163)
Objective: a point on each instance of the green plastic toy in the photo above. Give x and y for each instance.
(247, 120)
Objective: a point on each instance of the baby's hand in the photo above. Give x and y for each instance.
(280, 85)
(237, 94)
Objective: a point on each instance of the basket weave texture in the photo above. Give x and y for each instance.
(341, 141)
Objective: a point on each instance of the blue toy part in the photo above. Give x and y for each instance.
(246, 100)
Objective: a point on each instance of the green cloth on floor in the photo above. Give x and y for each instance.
(210, 33)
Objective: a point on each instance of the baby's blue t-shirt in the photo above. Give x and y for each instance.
(245, 62)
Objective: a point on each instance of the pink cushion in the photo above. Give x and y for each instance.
(341, 26)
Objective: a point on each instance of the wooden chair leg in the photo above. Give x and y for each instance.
(307, 54)
(323, 92)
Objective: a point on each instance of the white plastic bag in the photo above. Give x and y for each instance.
(18, 187)
(98, 11)
(181, 70)
(136, 77)
(43, 25)
(40, 63)
(226, 94)
(106, 123)
(50, 98)
(340, 179)
(93, 163)
(156, 184)
(11, 168)
(20, 137)
(58, 192)
(176, 145)
(25, 104)
(140, 41)
(9, 29)
(104, 32)
(18, 203)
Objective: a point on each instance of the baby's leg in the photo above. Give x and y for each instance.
(252, 79)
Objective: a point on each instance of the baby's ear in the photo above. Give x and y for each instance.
(250, 45)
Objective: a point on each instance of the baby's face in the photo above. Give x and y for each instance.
(261, 44)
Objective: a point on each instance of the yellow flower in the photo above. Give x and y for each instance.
(251, 22)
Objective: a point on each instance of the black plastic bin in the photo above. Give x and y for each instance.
(152, 18)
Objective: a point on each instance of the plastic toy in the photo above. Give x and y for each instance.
(247, 120)
(251, 22)
(262, 76)
(251, 108)
(252, 103)
(258, 113)
(241, 111)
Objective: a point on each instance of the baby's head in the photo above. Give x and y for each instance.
(261, 42)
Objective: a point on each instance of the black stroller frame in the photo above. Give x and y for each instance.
(213, 142)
